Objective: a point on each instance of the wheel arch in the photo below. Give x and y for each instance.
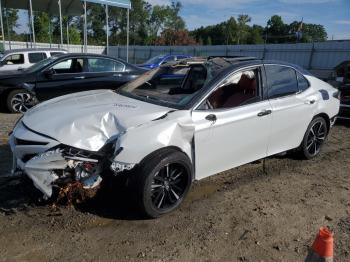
(4, 94)
(326, 118)
(166, 150)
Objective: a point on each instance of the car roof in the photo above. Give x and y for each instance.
(232, 62)
(87, 55)
(33, 50)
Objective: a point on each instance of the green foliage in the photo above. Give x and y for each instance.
(159, 25)
(42, 27)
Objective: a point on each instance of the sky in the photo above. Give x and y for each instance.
(333, 14)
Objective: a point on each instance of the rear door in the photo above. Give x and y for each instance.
(293, 106)
(35, 57)
(105, 73)
(67, 76)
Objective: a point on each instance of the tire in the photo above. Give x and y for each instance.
(162, 182)
(314, 138)
(19, 101)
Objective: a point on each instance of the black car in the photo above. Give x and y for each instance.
(342, 82)
(56, 76)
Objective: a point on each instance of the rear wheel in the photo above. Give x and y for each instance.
(19, 101)
(162, 182)
(314, 138)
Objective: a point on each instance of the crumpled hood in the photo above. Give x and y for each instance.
(87, 120)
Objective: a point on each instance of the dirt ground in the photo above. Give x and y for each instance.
(240, 215)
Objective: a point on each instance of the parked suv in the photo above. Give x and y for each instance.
(24, 58)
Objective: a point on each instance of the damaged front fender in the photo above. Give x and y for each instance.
(176, 129)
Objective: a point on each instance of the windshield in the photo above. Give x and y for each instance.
(173, 86)
(155, 60)
(41, 64)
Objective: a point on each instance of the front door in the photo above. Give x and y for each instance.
(67, 76)
(13, 62)
(232, 124)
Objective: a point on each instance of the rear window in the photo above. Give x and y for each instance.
(36, 57)
(303, 84)
(281, 81)
(105, 65)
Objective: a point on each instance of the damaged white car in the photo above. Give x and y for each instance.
(183, 121)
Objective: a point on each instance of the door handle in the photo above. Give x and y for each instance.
(264, 113)
(211, 118)
(79, 77)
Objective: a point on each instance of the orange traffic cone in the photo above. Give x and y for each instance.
(322, 248)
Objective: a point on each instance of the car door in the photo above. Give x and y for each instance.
(293, 106)
(232, 124)
(64, 77)
(106, 73)
(13, 62)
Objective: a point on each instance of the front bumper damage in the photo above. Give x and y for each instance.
(53, 168)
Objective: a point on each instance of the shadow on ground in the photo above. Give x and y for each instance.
(343, 122)
(112, 201)
(115, 201)
(5, 160)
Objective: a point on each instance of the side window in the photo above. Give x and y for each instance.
(36, 57)
(16, 59)
(105, 65)
(281, 81)
(169, 59)
(181, 57)
(303, 84)
(239, 89)
(69, 66)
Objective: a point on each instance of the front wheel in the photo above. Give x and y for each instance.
(19, 101)
(314, 138)
(163, 181)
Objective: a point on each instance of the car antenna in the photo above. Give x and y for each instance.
(264, 166)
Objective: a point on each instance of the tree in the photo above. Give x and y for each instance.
(310, 32)
(157, 22)
(231, 31)
(41, 26)
(255, 35)
(175, 37)
(242, 28)
(277, 30)
(209, 42)
(10, 21)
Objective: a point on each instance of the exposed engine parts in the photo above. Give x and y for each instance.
(73, 175)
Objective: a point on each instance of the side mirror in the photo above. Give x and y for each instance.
(49, 73)
(339, 79)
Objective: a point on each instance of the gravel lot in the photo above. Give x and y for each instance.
(240, 215)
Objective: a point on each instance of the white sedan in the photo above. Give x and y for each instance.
(181, 122)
